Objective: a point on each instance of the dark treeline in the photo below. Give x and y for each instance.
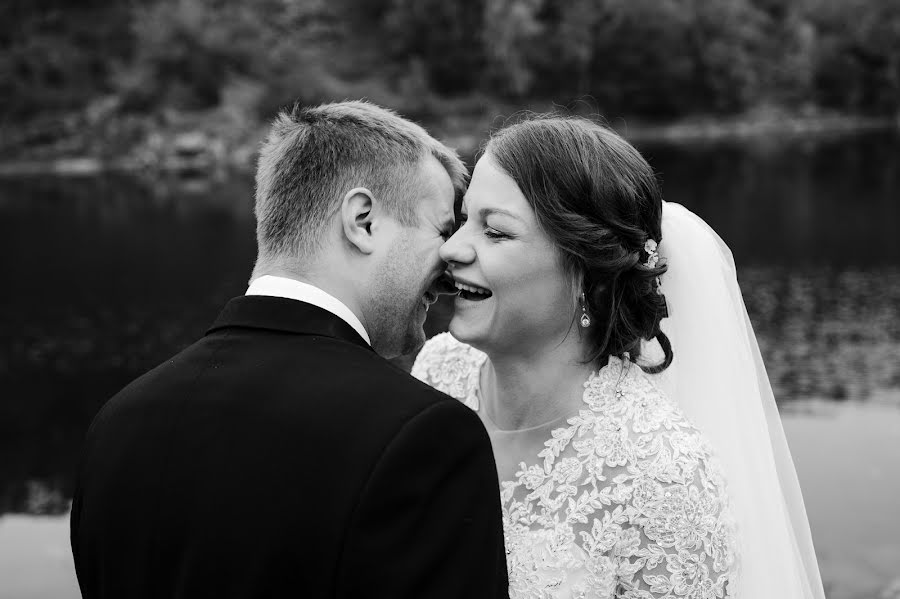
(655, 59)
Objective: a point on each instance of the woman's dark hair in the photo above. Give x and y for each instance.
(597, 197)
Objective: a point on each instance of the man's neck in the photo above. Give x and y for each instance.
(331, 285)
(340, 290)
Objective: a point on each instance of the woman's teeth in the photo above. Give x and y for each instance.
(470, 292)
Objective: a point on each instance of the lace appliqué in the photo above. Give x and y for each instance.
(627, 501)
(451, 367)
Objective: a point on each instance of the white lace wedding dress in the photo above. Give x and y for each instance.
(622, 500)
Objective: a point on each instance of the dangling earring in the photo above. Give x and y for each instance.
(585, 319)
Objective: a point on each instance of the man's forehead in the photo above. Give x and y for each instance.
(440, 179)
(440, 192)
(440, 208)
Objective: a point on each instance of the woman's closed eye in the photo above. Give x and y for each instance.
(489, 232)
(492, 233)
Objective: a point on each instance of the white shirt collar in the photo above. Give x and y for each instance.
(292, 289)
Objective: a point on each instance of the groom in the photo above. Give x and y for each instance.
(281, 455)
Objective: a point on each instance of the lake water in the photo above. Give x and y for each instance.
(104, 277)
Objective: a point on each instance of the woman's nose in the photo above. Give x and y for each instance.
(457, 250)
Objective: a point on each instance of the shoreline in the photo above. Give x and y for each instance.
(193, 152)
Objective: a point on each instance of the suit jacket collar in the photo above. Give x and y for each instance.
(287, 315)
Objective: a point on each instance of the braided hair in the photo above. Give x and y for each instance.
(599, 200)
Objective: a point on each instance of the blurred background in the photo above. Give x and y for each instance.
(128, 133)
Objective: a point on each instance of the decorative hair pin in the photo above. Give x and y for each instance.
(652, 254)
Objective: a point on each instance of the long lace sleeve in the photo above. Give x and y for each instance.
(677, 538)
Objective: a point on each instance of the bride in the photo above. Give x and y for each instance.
(600, 335)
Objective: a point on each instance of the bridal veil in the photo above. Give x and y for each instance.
(719, 380)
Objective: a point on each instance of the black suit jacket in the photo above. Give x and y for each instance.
(280, 456)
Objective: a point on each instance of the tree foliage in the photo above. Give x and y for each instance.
(652, 58)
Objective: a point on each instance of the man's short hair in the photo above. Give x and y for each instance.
(313, 156)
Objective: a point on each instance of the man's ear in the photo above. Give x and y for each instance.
(357, 209)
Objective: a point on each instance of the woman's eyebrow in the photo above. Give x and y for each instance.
(485, 212)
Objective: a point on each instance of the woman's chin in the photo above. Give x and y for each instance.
(464, 330)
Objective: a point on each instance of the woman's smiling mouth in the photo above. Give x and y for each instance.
(471, 292)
